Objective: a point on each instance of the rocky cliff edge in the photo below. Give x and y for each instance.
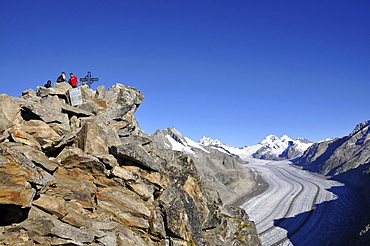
(88, 175)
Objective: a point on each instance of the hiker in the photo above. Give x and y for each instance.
(48, 84)
(84, 84)
(73, 80)
(62, 78)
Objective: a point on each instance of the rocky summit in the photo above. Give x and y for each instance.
(88, 175)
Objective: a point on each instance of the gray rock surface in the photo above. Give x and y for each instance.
(219, 171)
(88, 175)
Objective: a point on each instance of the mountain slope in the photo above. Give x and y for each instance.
(346, 159)
(219, 169)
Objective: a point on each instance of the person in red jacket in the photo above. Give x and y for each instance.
(73, 80)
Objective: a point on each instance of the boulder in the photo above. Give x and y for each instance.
(96, 136)
(52, 102)
(93, 105)
(136, 154)
(9, 110)
(34, 133)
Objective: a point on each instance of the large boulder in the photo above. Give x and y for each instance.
(9, 111)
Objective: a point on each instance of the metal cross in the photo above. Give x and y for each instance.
(88, 79)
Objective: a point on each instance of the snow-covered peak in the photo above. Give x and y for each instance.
(273, 140)
(206, 141)
(171, 138)
(285, 138)
(269, 139)
(271, 147)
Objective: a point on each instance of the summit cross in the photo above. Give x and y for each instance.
(88, 79)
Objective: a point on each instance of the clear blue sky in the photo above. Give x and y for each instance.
(232, 70)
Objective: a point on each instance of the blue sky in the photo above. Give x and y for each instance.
(236, 71)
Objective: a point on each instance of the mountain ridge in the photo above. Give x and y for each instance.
(224, 172)
(345, 159)
(270, 148)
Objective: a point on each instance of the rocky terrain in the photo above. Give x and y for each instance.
(223, 172)
(346, 159)
(87, 175)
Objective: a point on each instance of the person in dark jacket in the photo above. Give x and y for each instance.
(48, 84)
(62, 78)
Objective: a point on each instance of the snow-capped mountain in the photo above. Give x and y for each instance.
(219, 170)
(271, 147)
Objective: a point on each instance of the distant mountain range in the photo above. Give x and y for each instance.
(270, 148)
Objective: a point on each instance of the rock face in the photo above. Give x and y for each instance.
(346, 159)
(218, 170)
(88, 175)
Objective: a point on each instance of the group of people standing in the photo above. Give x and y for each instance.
(73, 80)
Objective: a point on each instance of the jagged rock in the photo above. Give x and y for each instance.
(140, 185)
(9, 110)
(96, 136)
(51, 204)
(36, 156)
(74, 184)
(184, 206)
(16, 188)
(124, 205)
(30, 95)
(59, 89)
(19, 136)
(88, 175)
(120, 95)
(87, 93)
(137, 154)
(219, 171)
(45, 113)
(66, 108)
(42, 223)
(34, 133)
(100, 92)
(93, 105)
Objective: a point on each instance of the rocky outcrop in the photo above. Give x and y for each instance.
(88, 175)
(219, 171)
(346, 159)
